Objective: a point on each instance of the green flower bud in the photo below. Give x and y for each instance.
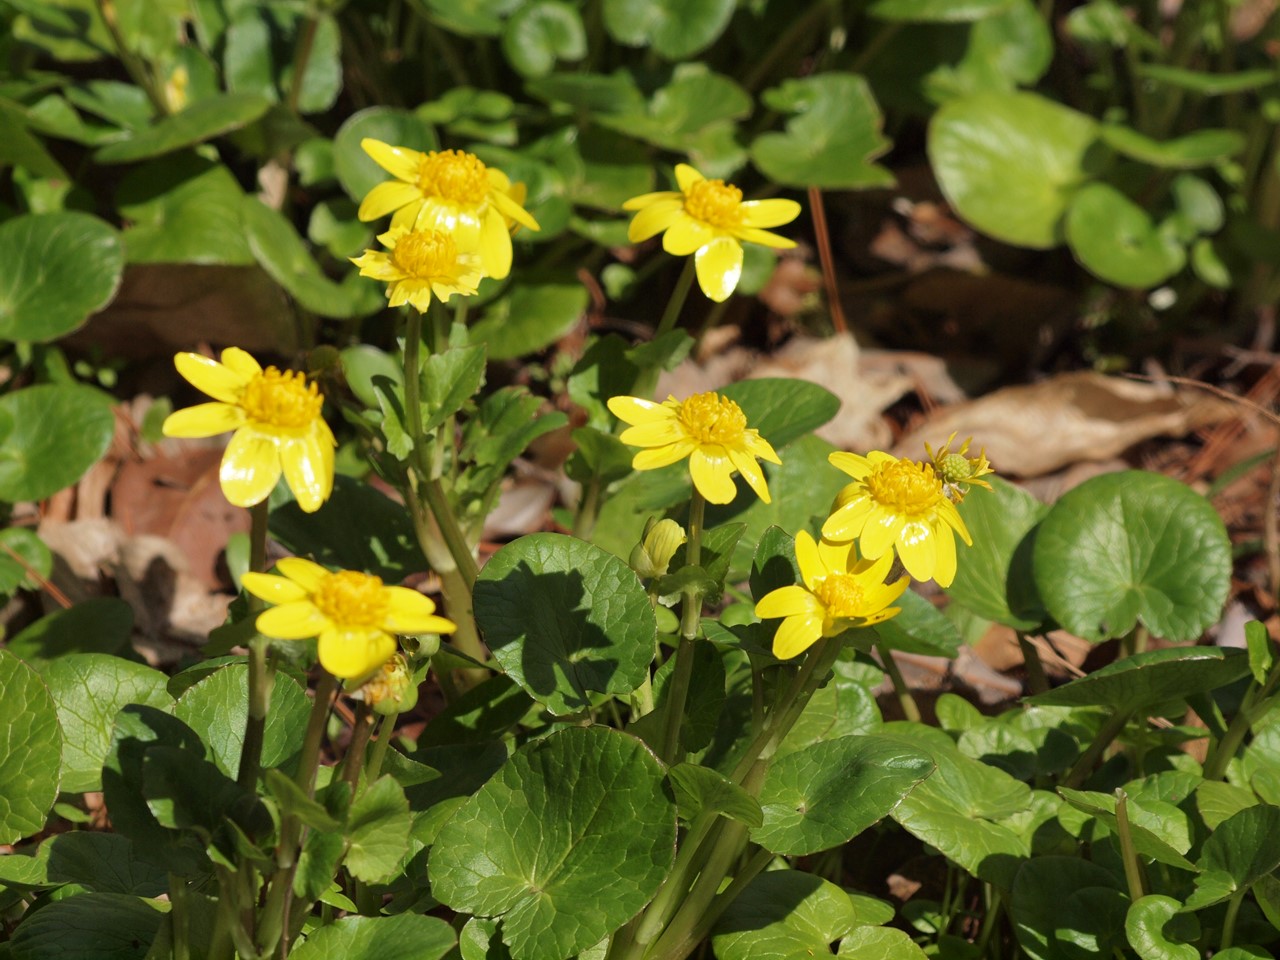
(652, 555)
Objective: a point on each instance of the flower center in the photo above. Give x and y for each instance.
(454, 175)
(905, 486)
(715, 202)
(840, 594)
(711, 418)
(282, 399)
(954, 467)
(426, 254)
(351, 599)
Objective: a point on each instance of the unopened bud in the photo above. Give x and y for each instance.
(652, 555)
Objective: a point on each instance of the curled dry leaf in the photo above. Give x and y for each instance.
(1036, 429)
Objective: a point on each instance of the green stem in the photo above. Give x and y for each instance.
(690, 618)
(386, 730)
(676, 885)
(1128, 854)
(179, 917)
(133, 65)
(1229, 921)
(1111, 729)
(703, 925)
(301, 57)
(900, 688)
(1037, 682)
(261, 676)
(648, 380)
(679, 939)
(353, 762)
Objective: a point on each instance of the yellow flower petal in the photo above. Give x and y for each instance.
(809, 559)
(308, 469)
(407, 216)
(917, 547)
(664, 456)
(712, 474)
(300, 620)
(378, 266)
(852, 464)
(764, 238)
(786, 602)
(305, 573)
(719, 266)
(203, 420)
(879, 533)
(409, 612)
(655, 218)
(847, 522)
(495, 245)
(750, 470)
(686, 236)
(273, 589)
(636, 410)
(353, 653)
(211, 377)
(759, 447)
(508, 207)
(250, 468)
(839, 557)
(241, 362)
(945, 570)
(768, 213)
(796, 635)
(400, 162)
(642, 201)
(656, 434)
(687, 176)
(387, 197)
(947, 511)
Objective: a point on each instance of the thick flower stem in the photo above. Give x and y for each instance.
(1229, 921)
(1084, 765)
(1257, 701)
(648, 380)
(353, 762)
(900, 688)
(260, 673)
(1129, 855)
(386, 730)
(690, 618)
(682, 944)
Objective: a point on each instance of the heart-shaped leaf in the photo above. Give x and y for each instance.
(1241, 849)
(406, 936)
(183, 209)
(356, 170)
(541, 33)
(1145, 928)
(783, 914)
(31, 745)
(1116, 239)
(885, 943)
(1130, 546)
(50, 434)
(1036, 904)
(105, 926)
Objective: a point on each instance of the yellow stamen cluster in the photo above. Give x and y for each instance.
(352, 598)
(282, 399)
(905, 486)
(841, 594)
(711, 418)
(454, 175)
(715, 202)
(426, 254)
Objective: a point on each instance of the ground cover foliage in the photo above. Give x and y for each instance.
(472, 642)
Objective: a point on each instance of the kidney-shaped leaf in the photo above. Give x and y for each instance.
(30, 749)
(674, 28)
(50, 434)
(356, 170)
(1116, 239)
(1151, 677)
(1009, 163)
(1133, 546)
(565, 619)
(821, 796)
(105, 926)
(565, 843)
(1145, 927)
(407, 936)
(784, 914)
(1242, 849)
(59, 268)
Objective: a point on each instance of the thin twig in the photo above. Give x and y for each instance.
(819, 213)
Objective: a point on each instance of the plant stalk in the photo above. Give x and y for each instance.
(690, 617)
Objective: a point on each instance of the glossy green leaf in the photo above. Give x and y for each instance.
(564, 844)
(62, 267)
(1128, 547)
(676, 29)
(529, 318)
(680, 115)
(937, 11)
(920, 628)
(884, 943)
(378, 831)
(1006, 50)
(1146, 929)
(187, 793)
(50, 434)
(356, 171)
(1217, 801)
(541, 33)
(217, 707)
(828, 793)
(1199, 207)
(565, 619)
(322, 82)
(1155, 843)
(1036, 904)
(103, 862)
(1261, 656)
(1199, 149)
(1241, 849)
(201, 120)
(472, 17)
(20, 148)
(1116, 239)
(89, 690)
(783, 409)
(183, 209)
(993, 578)
(70, 30)
(31, 744)
(104, 926)
(1209, 84)
(404, 937)
(701, 790)
(1009, 163)
(23, 556)
(1091, 922)
(832, 139)
(784, 914)
(1149, 678)
(1248, 952)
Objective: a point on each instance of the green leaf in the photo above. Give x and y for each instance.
(1155, 843)
(104, 926)
(1092, 922)
(482, 714)
(675, 29)
(784, 914)
(30, 750)
(472, 17)
(681, 116)
(886, 943)
(62, 267)
(322, 81)
(1209, 84)
(826, 794)
(1149, 678)
(565, 619)
(285, 257)
(378, 831)
(1004, 51)
(831, 140)
(202, 120)
(1009, 163)
(1261, 656)
(1116, 240)
(783, 409)
(21, 550)
(356, 171)
(89, 690)
(1145, 929)
(217, 708)
(183, 209)
(591, 93)
(993, 578)
(1133, 546)
(1036, 903)
(103, 862)
(920, 628)
(358, 528)
(564, 844)
(404, 937)
(541, 33)
(50, 434)
(1202, 148)
(701, 790)
(449, 380)
(1217, 801)
(20, 148)
(937, 11)
(529, 318)
(1240, 850)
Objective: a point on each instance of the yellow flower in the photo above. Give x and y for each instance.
(419, 263)
(837, 591)
(708, 218)
(451, 191)
(897, 503)
(352, 613)
(957, 471)
(709, 429)
(277, 423)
